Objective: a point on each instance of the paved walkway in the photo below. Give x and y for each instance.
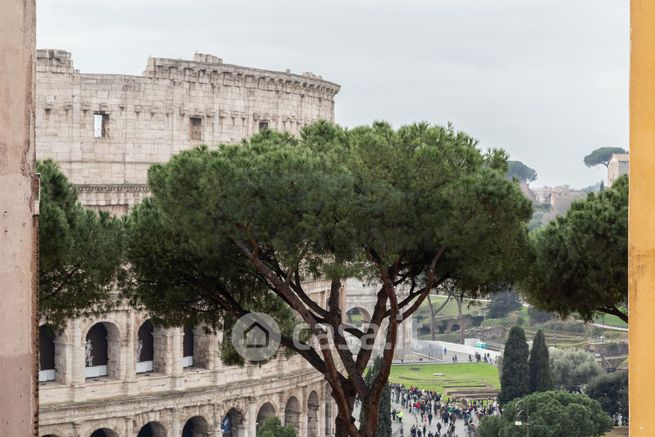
(410, 419)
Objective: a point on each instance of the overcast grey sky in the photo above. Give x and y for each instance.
(547, 80)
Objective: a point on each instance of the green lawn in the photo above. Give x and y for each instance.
(454, 376)
(610, 320)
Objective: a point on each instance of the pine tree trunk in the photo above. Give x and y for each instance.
(460, 319)
(433, 322)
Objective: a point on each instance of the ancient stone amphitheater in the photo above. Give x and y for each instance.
(119, 375)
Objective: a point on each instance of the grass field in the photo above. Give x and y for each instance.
(454, 376)
(610, 320)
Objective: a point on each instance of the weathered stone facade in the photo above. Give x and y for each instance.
(124, 402)
(105, 130)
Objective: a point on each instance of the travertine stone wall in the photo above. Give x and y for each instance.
(124, 401)
(150, 117)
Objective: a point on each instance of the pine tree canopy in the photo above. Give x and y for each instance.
(80, 251)
(580, 260)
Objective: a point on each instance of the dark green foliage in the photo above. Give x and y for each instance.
(514, 379)
(384, 419)
(549, 414)
(502, 304)
(490, 426)
(80, 251)
(272, 427)
(540, 377)
(572, 369)
(520, 171)
(581, 259)
(611, 391)
(538, 316)
(602, 155)
(240, 227)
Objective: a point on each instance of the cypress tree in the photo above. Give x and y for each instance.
(514, 380)
(540, 377)
(384, 418)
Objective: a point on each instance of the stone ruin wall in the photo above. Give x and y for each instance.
(173, 106)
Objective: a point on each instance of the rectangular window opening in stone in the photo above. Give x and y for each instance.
(100, 125)
(195, 128)
(263, 125)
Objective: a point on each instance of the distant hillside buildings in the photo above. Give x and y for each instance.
(618, 166)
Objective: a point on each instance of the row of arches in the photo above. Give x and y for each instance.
(102, 348)
(233, 423)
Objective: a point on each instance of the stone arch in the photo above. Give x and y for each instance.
(145, 347)
(50, 435)
(102, 344)
(358, 316)
(47, 367)
(233, 423)
(152, 429)
(196, 426)
(103, 432)
(313, 404)
(265, 411)
(292, 413)
(329, 420)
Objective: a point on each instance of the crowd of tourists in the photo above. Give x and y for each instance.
(436, 417)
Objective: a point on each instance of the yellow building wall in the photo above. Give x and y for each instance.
(642, 219)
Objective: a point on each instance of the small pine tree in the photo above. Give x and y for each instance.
(384, 418)
(514, 380)
(540, 377)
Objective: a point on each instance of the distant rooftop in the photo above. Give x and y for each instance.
(621, 157)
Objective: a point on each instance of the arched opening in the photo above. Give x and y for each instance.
(292, 413)
(232, 424)
(47, 370)
(267, 410)
(104, 432)
(102, 351)
(50, 435)
(145, 349)
(358, 316)
(187, 347)
(197, 426)
(312, 414)
(96, 353)
(329, 423)
(152, 429)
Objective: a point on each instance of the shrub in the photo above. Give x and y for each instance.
(573, 368)
(611, 391)
(538, 317)
(549, 414)
(272, 427)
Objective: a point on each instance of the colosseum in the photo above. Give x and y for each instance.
(120, 375)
